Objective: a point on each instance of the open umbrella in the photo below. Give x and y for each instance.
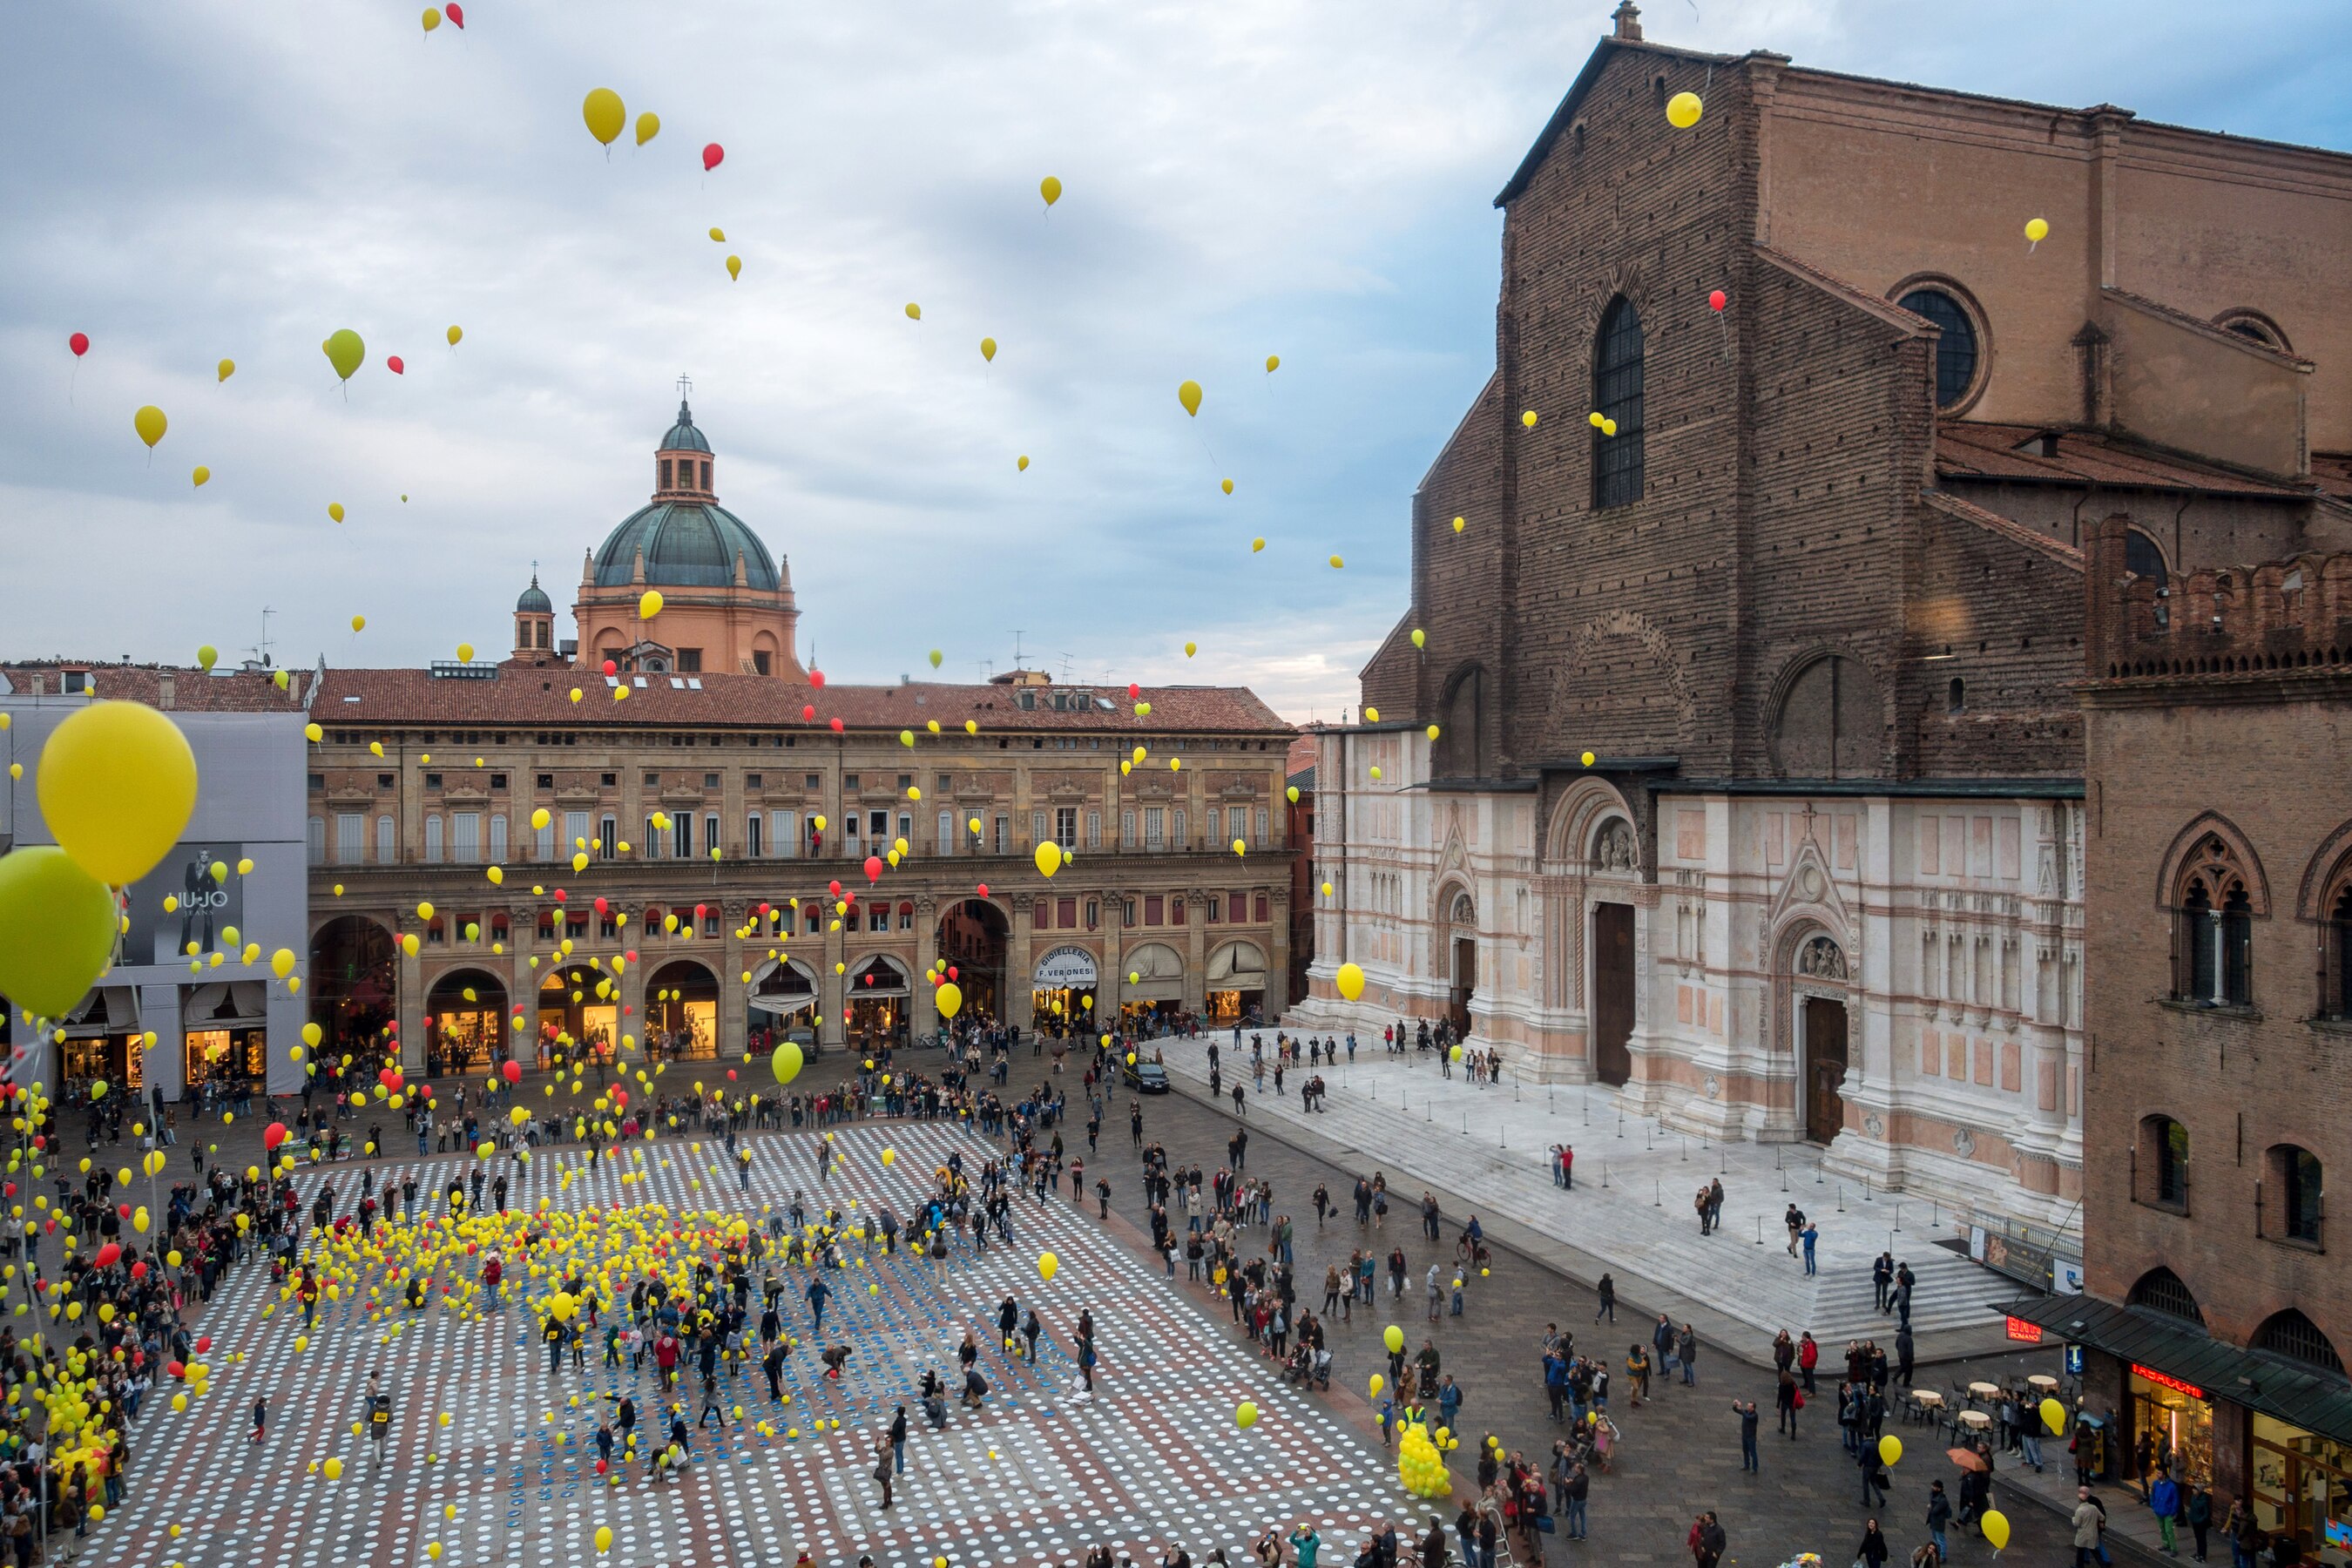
(1966, 1459)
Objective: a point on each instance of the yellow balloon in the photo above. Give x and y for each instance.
(454, 332)
(950, 997)
(431, 18)
(988, 350)
(734, 268)
(335, 510)
(1051, 189)
(56, 929)
(117, 785)
(1191, 648)
(1528, 418)
(1245, 1415)
(540, 819)
(649, 604)
(1020, 466)
(1995, 1526)
(1890, 1449)
(2053, 1415)
(1189, 394)
(1392, 1337)
(786, 1062)
(1587, 759)
(151, 424)
(1336, 563)
(1256, 545)
(1683, 111)
(1273, 364)
(1371, 715)
(1049, 858)
(914, 312)
(333, 1469)
(2037, 229)
(1351, 981)
(605, 114)
(345, 351)
(1226, 486)
(1377, 1383)
(1048, 1265)
(281, 963)
(1460, 523)
(201, 475)
(1419, 638)
(227, 368)
(603, 1538)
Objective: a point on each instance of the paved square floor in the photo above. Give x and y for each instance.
(1035, 1478)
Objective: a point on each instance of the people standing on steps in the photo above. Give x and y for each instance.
(1882, 1279)
(1794, 1220)
(1809, 1236)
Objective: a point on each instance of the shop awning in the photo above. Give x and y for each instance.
(106, 1010)
(226, 1004)
(2299, 1396)
(782, 1006)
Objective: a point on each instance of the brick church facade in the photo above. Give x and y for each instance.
(1757, 786)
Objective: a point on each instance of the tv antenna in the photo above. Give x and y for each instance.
(1016, 647)
(262, 651)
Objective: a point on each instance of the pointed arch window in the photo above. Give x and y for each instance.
(1617, 397)
(2214, 945)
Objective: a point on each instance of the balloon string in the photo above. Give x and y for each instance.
(1206, 447)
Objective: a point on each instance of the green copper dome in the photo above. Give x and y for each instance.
(683, 436)
(685, 544)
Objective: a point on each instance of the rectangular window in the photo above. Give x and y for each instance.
(785, 829)
(1003, 834)
(1127, 829)
(711, 839)
(905, 917)
(709, 781)
(316, 838)
(878, 917)
(1066, 913)
(760, 661)
(1261, 909)
(1153, 816)
(1216, 909)
(1237, 907)
(690, 661)
(1094, 913)
(1036, 827)
(906, 828)
(387, 841)
(1065, 827)
(465, 837)
(1175, 911)
(811, 781)
(1181, 841)
(665, 474)
(653, 780)
(682, 833)
(608, 837)
(878, 824)
(1094, 829)
(1214, 827)
(814, 840)
(1155, 908)
(1259, 840)
(752, 826)
(812, 919)
(498, 836)
(848, 782)
(575, 834)
(433, 840)
(351, 838)
(650, 847)
(947, 833)
(849, 832)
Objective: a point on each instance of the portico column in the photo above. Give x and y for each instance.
(1020, 962)
(409, 1007)
(1277, 976)
(1110, 986)
(1196, 957)
(732, 994)
(927, 935)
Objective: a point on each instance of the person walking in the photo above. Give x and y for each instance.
(2164, 1502)
(1808, 1356)
(1873, 1476)
(1607, 1291)
(1873, 1552)
(1746, 1412)
(1686, 1353)
(1940, 1517)
(1787, 1401)
(2087, 1521)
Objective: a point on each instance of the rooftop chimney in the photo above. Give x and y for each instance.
(1627, 17)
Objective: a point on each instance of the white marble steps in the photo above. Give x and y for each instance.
(1489, 1144)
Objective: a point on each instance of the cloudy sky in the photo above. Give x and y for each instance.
(205, 179)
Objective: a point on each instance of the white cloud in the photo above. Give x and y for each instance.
(214, 178)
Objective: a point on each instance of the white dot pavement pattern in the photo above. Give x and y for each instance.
(1036, 1476)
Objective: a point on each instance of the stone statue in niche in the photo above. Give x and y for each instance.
(1613, 850)
(1822, 959)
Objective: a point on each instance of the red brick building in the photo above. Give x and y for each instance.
(1751, 594)
(2218, 955)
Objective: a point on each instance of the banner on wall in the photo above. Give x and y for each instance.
(204, 908)
(1068, 968)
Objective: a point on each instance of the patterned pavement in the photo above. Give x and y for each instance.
(1035, 1478)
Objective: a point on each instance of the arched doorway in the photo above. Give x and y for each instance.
(579, 1014)
(1615, 975)
(973, 934)
(681, 1013)
(465, 1022)
(1236, 983)
(354, 984)
(1457, 956)
(878, 995)
(1821, 976)
(1152, 987)
(781, 1004)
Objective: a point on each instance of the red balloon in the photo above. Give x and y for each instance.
(513, 1071)
(139, 1269)
(632, 955)
(1133, 689)
(122, 1211)
(808, 711)
(80, 343)
(816, 677)
(952, 971)
(612, 669)
(711, 156)
(391, 362)
(106, 1255)
(272, 1135)
(874, 867)
(174, 1369)
(837, 726)
(1717, 299)
(983, 890)
(601, 905)
(205, 1344)
(559, 895)
(456, 15)
(701, 911)
(834, 888)
(763, 911)
(599, 1466)
(730, 1074)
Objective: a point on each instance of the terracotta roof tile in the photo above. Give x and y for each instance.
(1970, 450)
(192, 691)
(521, 694)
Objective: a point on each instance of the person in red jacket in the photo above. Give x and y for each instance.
(493, 1270)
(1808, 1356)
